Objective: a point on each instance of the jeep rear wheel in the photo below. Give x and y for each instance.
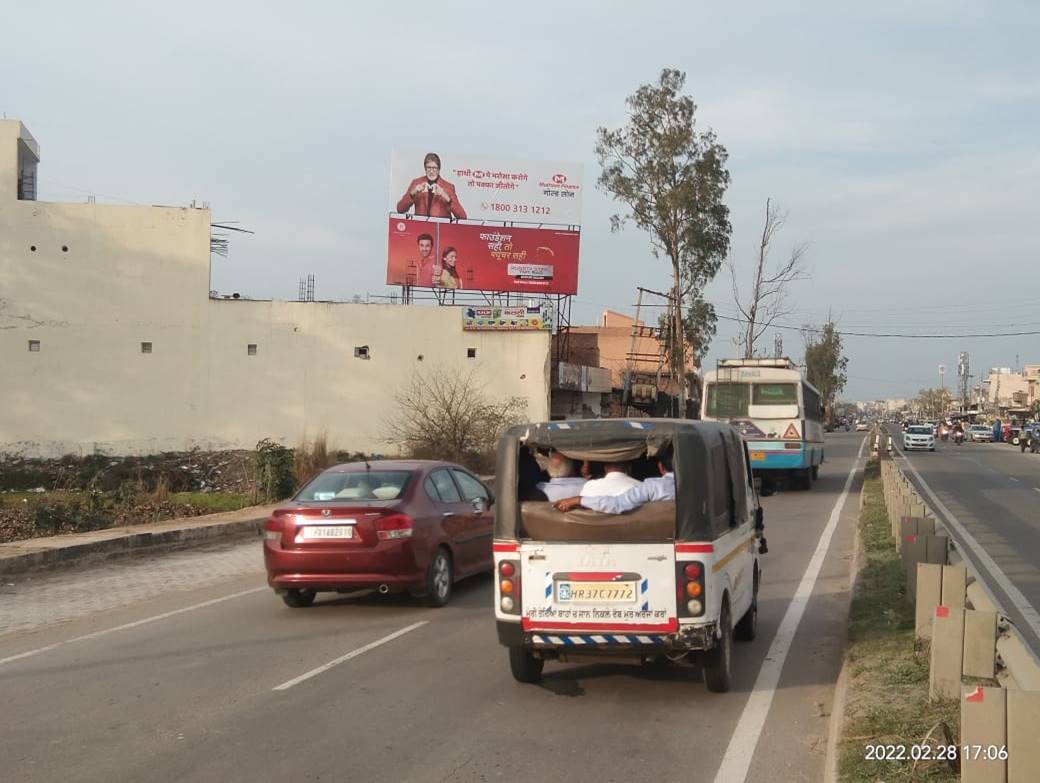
(525, 667)
(718, 662)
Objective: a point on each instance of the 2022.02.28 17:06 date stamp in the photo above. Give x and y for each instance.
(926, 752)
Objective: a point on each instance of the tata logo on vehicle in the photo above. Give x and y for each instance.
(559, 179)
(597, 559)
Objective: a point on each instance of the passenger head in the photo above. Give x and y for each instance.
(616, 467)
(664, 462)
(559, 466)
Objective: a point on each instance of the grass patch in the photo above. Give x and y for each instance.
(211, 502)
(887, 699)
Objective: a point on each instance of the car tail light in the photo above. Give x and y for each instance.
(394, 526)
(273, 529)
(689, 588)
(509, 586)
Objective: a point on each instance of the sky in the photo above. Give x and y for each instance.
(900, 138)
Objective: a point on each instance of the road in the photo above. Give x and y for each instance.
(992, 491)
(186, 667)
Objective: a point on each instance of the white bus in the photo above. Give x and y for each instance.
(776, 410)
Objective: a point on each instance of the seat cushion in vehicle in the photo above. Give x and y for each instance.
(650, 522)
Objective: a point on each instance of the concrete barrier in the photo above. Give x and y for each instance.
(970, 637)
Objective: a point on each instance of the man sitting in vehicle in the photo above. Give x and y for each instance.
(562, 482)
(615, 481)
(647, 491)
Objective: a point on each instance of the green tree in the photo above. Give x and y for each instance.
(824, 363)
(671, 177)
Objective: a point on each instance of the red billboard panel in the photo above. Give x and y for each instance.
(433, 254)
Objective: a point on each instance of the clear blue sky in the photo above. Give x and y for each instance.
(901, 138)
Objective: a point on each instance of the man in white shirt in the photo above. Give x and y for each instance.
(615, 481)
(647, 491)
(562, 482)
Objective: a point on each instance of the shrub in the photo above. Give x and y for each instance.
(275, 478)
(444, 414)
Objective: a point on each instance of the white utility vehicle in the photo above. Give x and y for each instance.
(668, 581)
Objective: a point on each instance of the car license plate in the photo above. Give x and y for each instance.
(319, 532)
(758, 456)
(596, 592)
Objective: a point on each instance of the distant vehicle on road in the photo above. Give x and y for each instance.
(778, 412)
(413, 525)
(919, 437)
(862, 426)
(980, 433)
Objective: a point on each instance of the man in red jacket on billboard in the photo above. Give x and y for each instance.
(430, 195)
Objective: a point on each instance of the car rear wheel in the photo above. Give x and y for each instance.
(525, 667)
(718, 663)
(439, 578)
(299, 597)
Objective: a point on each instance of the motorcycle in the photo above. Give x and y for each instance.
(958, 437)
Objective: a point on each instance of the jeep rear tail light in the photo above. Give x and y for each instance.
(509, 586)
(394, 526)
(689, 588)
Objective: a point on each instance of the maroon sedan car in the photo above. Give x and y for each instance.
(413, 525)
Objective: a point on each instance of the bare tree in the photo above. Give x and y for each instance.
(767, 299)
(445, 414)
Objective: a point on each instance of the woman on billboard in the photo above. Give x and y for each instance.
(449, 276)
(430, 195)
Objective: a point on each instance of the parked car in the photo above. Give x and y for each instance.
(919, 437)
(980, 433)
(413, 525)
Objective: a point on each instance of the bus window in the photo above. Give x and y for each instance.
(774, 394)
(726, 400)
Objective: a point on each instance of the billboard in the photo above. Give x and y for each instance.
(495, 318)
(472, 187)
(525, 259)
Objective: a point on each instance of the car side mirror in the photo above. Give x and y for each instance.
(480, 505)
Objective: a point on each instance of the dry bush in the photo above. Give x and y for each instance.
(446, 414)
(310, 458)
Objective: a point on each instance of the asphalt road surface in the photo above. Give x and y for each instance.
(992, 492)
(186, 667)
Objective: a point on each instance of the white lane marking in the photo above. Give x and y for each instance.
(1012, 478)
(1018, 600)
(127, 626)
(742, 744)
(1036, 489)
(352, 654)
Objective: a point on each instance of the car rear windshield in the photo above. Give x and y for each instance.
(980, 428)
(920, 430)
(358, 485)
(774, 394)
(726, 400)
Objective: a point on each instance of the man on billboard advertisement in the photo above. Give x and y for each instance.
(430, 195)
(412, 254)
(538, 192)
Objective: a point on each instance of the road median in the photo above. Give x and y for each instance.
(887, 700)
